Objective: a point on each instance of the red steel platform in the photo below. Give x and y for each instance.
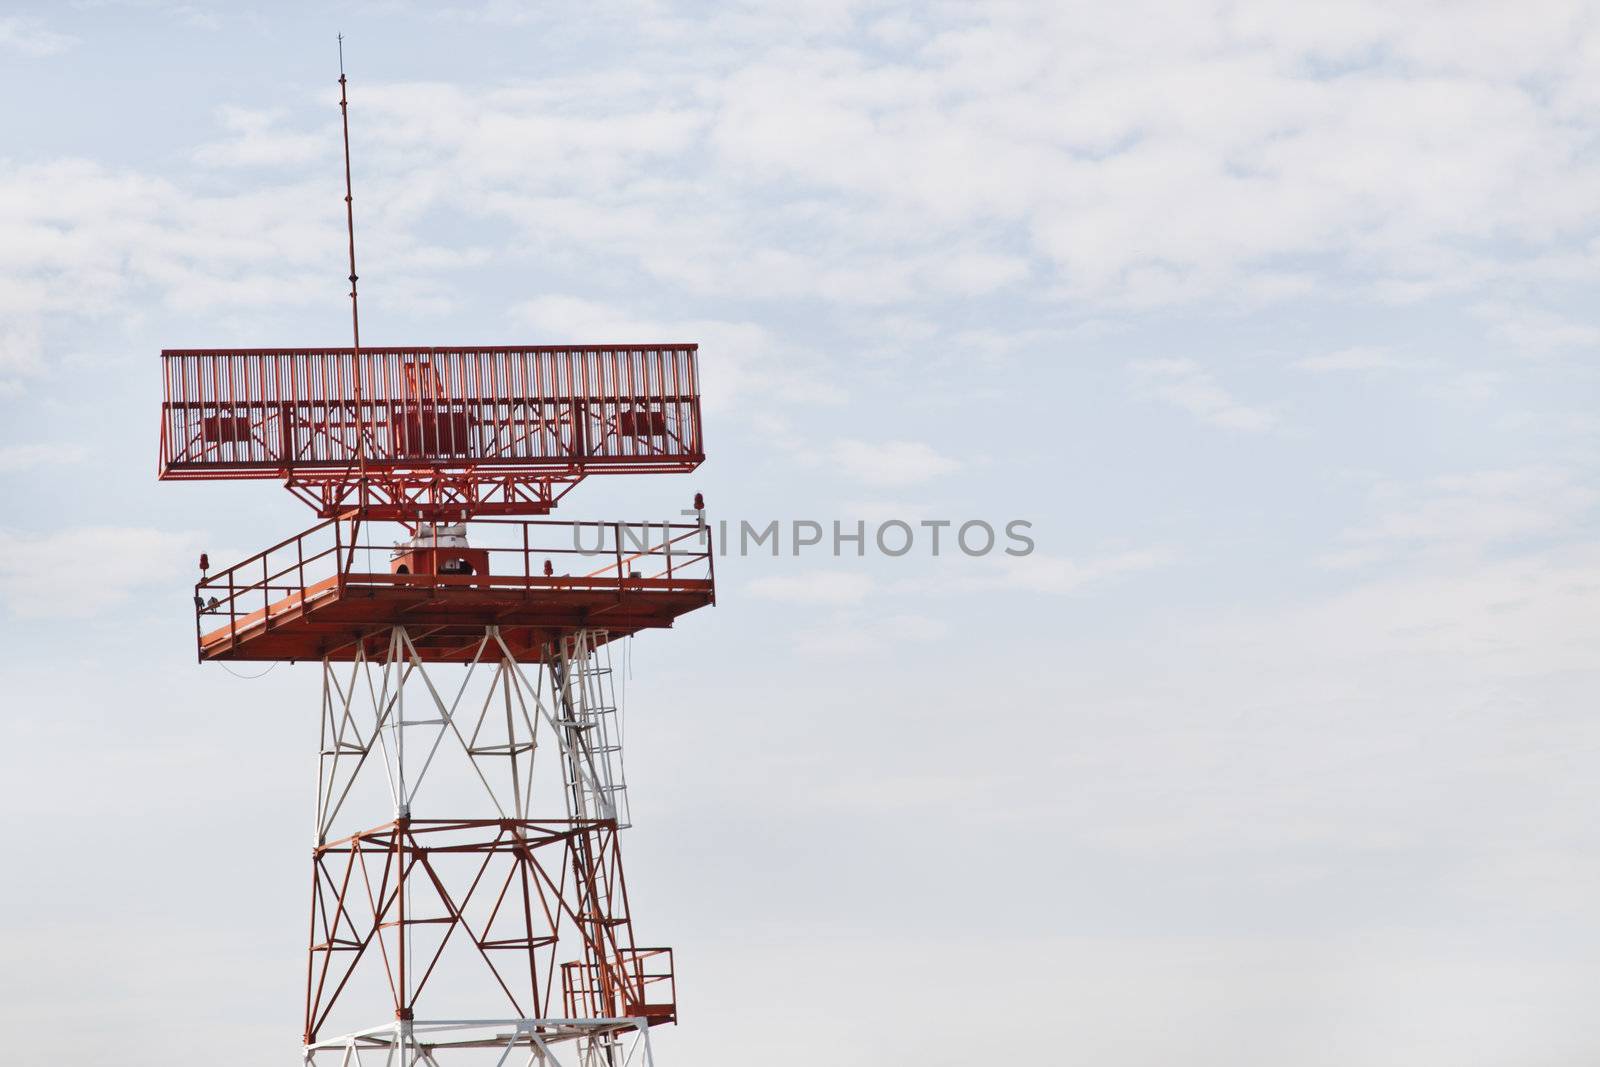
(319, 595)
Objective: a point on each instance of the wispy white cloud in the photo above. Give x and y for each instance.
(1464, 516)
(1060, 575)
(21, 350)
(785, 166)
(84, 241)
(32, 38)
(255, 139)
(1355, 358)
(890, 463)
(1536, 331)
(26, 457)
(80, 572)
(820, 587)
(881, 511)
(796, 167)
(747, 360)
(1186, 385)
(859, 633)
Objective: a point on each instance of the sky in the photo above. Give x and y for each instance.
(1275, 321)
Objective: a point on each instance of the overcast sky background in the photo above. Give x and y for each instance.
(1278, 321)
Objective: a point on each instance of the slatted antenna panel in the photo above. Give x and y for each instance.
(426, 434)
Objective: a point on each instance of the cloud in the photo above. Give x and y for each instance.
(255, 140)
(1152, 187)
(820, 587)
(738, 358)
(880, 511)
(1359, 357)
(1058, 575)
(890, 463)
(79, 572)
(1124, 159)
(1184, 384)
(1465, 516)
(1522, 614)
(854, 634)
(21, 350)
(1021, 147)
(26, 457)
(1535, 331)
(84, 241)
(32, 38)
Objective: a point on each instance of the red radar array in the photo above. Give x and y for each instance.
(430, 434)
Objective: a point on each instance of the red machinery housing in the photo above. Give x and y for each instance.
(439, 550)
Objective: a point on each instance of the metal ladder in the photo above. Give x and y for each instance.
(592, 729)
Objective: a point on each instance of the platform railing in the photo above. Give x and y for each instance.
(334, 555)
(643, 980)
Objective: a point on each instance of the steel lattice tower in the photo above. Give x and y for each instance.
(467, 893)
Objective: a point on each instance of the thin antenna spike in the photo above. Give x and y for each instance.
(355, 312)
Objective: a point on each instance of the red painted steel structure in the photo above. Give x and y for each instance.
(315, 595)
(525, 898)
(486, 436)
(430, 434)
(553, 929)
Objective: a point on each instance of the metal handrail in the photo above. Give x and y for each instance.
(583, 988)
(301, 570)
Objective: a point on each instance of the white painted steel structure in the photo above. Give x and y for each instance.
(412, 720)
(502, 1042)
